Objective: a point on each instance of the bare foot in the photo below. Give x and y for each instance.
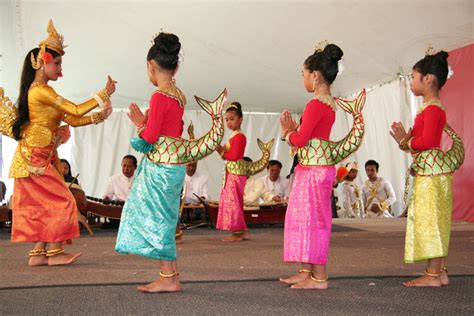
(296, 278)
(38, 261)
(63, 259)
(233, 237)
(161, 285)
(424, 281)
(444, 278)
(246, 235)
(179, 240)
(310, 284)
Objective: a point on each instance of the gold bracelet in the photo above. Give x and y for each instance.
(97, 118)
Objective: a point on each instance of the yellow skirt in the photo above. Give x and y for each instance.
(429, 218)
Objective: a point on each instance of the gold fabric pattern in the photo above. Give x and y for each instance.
(435, 102)
(47, 110)
(8, 115)
(328, 100)
(429, 218)
(174, 92)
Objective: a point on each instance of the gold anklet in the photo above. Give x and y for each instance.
(434, 275)
(445, 270)
(164, 275)
(54, 252)
(304, 271)
(37, 252)
(319, 280)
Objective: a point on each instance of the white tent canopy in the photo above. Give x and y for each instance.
(255, 49)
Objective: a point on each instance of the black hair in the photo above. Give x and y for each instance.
(274, 162)
(248, 159)
(237, 109)
(436, 65)
(27, 76)
(165, 51)
(132, 158)
(325, 62)
(68, 177)
(372, 163)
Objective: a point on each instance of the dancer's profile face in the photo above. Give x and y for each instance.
(53, 69)
(308, 79)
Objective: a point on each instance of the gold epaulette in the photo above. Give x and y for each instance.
(174, 92)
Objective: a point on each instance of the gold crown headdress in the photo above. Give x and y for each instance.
(430, 50)
(321, 46)
(232, 106)
(54, 41)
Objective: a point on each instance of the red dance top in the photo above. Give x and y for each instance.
(428, 128)
(164, 119)
(235, 148)
(317, 121)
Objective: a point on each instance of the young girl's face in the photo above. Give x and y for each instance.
(307, 79)
(53, 69)
(418, 83)
(232, 120)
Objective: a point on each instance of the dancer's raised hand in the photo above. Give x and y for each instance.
(110, 85)
(136, 115)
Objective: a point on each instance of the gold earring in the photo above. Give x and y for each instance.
(314, 85)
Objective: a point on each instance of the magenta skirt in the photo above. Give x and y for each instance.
(231, 204)
(308, 218)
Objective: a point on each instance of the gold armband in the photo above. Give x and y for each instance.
(287, 138)
(97, 118)
(102, 96)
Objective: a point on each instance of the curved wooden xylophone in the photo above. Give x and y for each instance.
(104, 208)
(266, 213)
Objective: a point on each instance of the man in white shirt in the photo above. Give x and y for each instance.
(119, 185)
(351, 198)
(196, 183)
(274, 183)
(377, 193)
(255, 190)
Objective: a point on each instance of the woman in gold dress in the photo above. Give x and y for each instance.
(44, 210)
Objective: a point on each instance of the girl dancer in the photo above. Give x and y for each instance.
(429, 210)
(231, 205)
(44, 210)
(151, 212)
(309, 215)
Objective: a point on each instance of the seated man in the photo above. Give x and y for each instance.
(274, 183)
(352, 203)
(377, 193)
(255, 191)
(119, 185)
(196, 183)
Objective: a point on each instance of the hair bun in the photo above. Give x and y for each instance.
(167, 43)
(441, 55)
(333, 52)
(237, 104)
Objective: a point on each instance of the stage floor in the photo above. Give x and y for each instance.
(365, 267)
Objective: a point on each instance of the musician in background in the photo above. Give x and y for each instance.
(274, 183)
(196, 183)
(119, 185)
(256, 192)
(66, 167)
